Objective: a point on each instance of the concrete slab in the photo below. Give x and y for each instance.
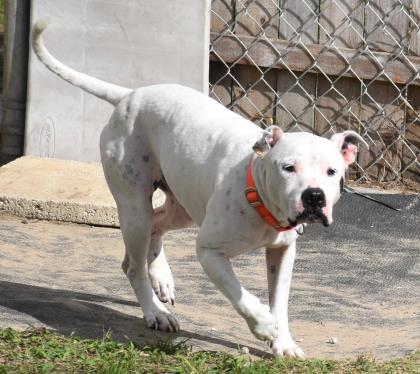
(357, 280)
(58, 190)
(132, 43)
(55, 189)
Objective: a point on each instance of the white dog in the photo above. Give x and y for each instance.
(244, 187)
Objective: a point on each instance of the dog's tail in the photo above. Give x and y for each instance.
(106, 91)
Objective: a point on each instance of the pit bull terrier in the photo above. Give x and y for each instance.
(245, 188)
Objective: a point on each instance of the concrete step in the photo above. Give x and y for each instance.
(59, 190)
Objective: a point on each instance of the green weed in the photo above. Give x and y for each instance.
(37, 350)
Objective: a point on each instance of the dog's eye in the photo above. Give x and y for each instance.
(289, 168)
(331, 172)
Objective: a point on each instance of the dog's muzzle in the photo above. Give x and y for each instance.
(313, 200)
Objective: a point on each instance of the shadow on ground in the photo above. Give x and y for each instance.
(82, 314)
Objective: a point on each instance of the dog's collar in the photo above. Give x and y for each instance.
(255, 201)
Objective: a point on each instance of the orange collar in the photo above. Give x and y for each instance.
(255, 201)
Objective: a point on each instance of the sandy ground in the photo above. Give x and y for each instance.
(68, 277)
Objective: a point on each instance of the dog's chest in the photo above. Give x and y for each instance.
(282, 239)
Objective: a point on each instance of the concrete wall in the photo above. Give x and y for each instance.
(130, 43)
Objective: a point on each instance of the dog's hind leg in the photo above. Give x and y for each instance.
(132, 189)
(170, 216)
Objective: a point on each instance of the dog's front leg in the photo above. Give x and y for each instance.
(279, 273)
(258, 317)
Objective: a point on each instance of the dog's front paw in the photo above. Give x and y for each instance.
(263, 324)
(161, 320)
(286, 347)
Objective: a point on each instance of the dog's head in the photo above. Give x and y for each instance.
(303, 174)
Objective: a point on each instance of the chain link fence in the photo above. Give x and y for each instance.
(324, 66)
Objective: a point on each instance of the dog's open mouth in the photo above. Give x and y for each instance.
(310, 216)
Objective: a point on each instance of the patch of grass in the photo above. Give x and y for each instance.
(37, 350)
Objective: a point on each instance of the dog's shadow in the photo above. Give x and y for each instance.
(86, 316)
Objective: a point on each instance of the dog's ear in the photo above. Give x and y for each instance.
(346, 142)
(267, 140)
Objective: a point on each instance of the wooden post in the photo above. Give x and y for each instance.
(337, 102)
(411, 151)
(258, 102)
(382, 113)
(223, 14)
(296, 103)
(16, 40)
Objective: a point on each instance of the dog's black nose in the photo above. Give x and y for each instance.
(313, 198)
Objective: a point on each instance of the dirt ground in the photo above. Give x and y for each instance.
(357, 281)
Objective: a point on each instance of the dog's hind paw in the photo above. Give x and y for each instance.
(161, 320)
(286, 349)
(162, 282)
(163, 286)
